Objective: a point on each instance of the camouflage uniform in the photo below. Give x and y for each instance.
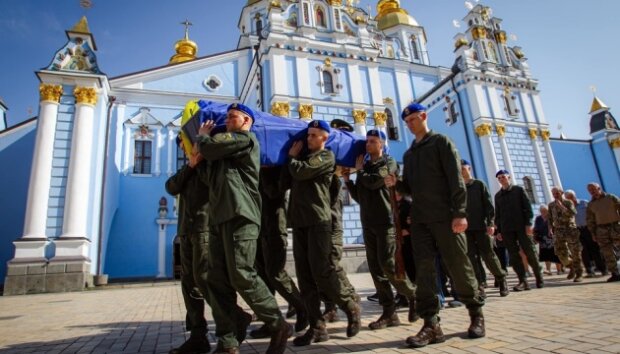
(566, 235)
(603, 218)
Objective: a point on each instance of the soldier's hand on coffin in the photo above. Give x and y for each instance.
(206, 127)
(359, 163)
(295, 148)
(389, 180)
(346, 171)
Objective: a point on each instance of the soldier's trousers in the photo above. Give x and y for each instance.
(428, 240)
(608, 236)
(515, 241)
(335, 257)
(232, 249)
(591, 252)
(481, 244)
(567, 247)
(194, 258)
(380, 253)
(316, 273)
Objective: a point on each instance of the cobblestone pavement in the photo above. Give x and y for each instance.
(564, 317)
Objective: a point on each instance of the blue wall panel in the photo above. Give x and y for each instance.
(576, 165)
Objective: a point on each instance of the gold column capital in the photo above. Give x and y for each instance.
(615, 143)
(483, 129)
(359, 116)
(388, 100)
(533, 133)
(380, 118)
(85, 95)
(545, 134)
(305, 111)
(500, 129)
(50, 93)
(280, 109)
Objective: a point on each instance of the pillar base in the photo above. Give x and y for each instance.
(30, 249)
(47, 277)
(72, 248)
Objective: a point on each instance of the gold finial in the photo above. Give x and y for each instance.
(305, 111)
(328, 62)
(615, 143)
(483, 129)
(533, 133)
(597, 104)
(359, 116)
(380, 119)
(280, 109)
(500, 129)
(81, 26)
(85, 95)
(50, 93)
(545, 134)
(185, 48)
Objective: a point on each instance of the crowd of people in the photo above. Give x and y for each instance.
(432, 221)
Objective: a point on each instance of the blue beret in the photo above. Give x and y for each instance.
(319, 124)
(377, 133)
(242, 108)
(412, 108)
(465, 163)
(502, 172)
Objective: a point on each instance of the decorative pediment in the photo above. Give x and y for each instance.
(76, 55)
(143, 118)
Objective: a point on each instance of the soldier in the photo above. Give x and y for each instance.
(232, 175)
(603, 218)
(480, 227)
(513, 220)
(370, 191)
(310, 216)
(273, 245)
(565, 234)
(192, 230)
(431, 176)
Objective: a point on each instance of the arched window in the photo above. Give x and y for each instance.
(392, 129)
(493, 52)
(414, 48)
(530, 189)
(320, 17)
(259, 27)
(328, 82)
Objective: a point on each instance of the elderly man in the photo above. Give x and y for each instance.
(432, 177)
(513, 219)
(565, 234)
(234, 221)
(603, 218)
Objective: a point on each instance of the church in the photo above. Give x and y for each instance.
(85, 200)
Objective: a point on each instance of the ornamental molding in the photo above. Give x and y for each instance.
(281, 109)
(533, 133)
(359, 116)
(50, 93)
(305, 111)
(380, 118)
(388, 100)
(545, 135)
(85, 95)
(483, 129)
(500, 129)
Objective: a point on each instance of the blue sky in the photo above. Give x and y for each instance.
(571, 45)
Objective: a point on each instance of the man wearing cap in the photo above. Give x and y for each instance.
(310, 217)
(566, 242)
(373, 196)
(513, 220)
(480, 228)
(232, 175)
(432, 177)
(603, 218)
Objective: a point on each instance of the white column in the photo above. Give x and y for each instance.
(74, 241)
(278, 74)
(555, 174)
(171, 152)
(375, 85)
(505, 153)
(158, 146)
(303, 77)
(161, 251)
(40, 177)
(541, 167)
(490, 158)
(356, 83)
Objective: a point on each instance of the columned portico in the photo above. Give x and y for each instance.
(359, 119)
(541, 166)
(490, 159)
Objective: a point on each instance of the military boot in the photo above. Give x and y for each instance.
(540, 283)
(476, 327)
(429, 334)
(571, 274)
(261, 332)
(302, 320)
(503, 287)
(523, 285)
(614, 278)
(353, 317)
(312, 335)
(197, 344)
(412, 316)
(389, 318)
(221, 350)
(578, 276)
(279, 336)
(331, 313)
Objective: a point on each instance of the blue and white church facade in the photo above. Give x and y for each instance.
(87, 194)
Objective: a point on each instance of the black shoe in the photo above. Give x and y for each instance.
(279, 337)
(312, 335)
(261, 332)
(302, 321)
(503, 287)
(194, 345)
(242, 326)
(429, 334)
(353, 317)
(523, 285)
(476, 328)
(291, 312)
(373, 298)
(614, 278)
(386, 320)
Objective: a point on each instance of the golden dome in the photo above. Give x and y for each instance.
(185, 48)
(250, 2)
(390, 14)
